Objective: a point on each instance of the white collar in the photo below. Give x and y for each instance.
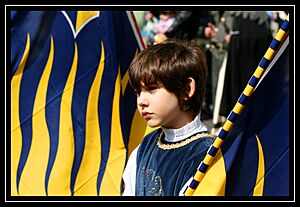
(175, 135)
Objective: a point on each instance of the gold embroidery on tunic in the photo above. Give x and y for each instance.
(182, 143)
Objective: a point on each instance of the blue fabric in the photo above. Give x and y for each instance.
(265, 117)
(164, 172)
(114, 30)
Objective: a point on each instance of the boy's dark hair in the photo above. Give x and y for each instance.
(170, 64)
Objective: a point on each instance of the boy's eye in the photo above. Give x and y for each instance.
(152, 91)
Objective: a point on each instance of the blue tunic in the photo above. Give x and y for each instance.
(163, 172)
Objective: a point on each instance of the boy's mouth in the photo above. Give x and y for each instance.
(146, 115)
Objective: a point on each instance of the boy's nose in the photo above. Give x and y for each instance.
(142, 100)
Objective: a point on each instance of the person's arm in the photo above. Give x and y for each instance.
(129, 175)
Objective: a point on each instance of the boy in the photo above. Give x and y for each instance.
(169, 80)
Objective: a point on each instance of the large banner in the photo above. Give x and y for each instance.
(72, 108)
(254, 158)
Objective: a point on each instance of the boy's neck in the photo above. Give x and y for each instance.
(193, 127)
(182, 120)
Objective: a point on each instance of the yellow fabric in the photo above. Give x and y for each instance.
(83, 17)
(16, 135)
(59, 180)
(259, 185)
(86, 180)
(112, 178)
(40, 146)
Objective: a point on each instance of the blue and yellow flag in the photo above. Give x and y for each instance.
(254, 158)
(72, 108)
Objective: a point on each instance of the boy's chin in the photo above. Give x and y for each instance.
(152, 124)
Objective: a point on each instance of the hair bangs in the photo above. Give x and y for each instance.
(142, 74)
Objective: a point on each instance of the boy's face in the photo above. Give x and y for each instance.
(160, 107)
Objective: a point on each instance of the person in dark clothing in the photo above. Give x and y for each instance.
(250, 38)
(191, 25)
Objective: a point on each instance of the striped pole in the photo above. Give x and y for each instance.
(239, 106)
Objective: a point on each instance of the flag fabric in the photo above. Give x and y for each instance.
(72, 108)
(254, 158)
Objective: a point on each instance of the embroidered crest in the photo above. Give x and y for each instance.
(153, 183)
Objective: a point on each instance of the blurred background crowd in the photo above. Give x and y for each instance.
(234, 42)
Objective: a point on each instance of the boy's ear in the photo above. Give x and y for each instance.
(192, 86)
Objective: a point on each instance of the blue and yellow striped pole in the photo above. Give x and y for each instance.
(239, 106)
